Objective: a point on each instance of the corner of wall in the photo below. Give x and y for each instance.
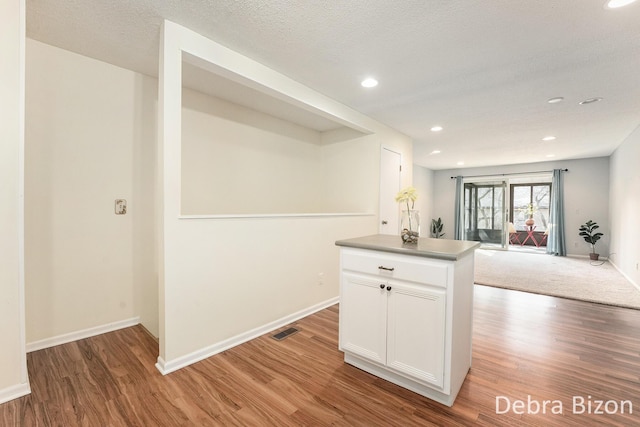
(14, 380)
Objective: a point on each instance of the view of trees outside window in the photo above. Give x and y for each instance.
(484, 212)
(483, 206)
(530, 200)
(489, 208)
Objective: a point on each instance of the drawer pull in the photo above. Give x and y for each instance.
(386, 268)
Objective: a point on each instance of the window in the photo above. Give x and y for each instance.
(530, 200)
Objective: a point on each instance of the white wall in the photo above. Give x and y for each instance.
(13, 373)
(90, 138)
(236, 160)
(586, 191)
(348, 169)
(221, 278)
(246, 162)
(423, 183)
(624, 205)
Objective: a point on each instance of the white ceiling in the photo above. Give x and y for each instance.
(482, 69)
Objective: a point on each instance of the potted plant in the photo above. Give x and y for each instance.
(530, 211)
(588, 232)
(410, 220)
(436, 228)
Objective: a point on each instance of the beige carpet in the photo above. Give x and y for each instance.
(566, 277)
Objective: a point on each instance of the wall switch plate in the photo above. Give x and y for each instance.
(121, 206)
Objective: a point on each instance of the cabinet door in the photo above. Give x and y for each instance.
(363, 316)
(416, 331)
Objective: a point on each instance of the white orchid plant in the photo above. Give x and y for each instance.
(406, 195)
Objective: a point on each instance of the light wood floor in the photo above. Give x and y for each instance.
(524, 345)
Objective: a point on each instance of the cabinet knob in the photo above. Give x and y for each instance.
(388, 288)
(381, 285)
(384, 222)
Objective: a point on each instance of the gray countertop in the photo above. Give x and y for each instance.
(445, 249)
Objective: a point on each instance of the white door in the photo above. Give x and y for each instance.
(390, 162)
(416, 331)
(363, 317)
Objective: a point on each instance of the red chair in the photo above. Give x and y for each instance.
(543, 241)
(514, 238)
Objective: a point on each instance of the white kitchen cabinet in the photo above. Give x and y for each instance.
(363, 317)
(394, 323)
(416, 331)
(406, 317)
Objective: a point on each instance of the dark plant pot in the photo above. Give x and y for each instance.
(594, 257)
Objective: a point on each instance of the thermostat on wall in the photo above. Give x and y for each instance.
(121, 206)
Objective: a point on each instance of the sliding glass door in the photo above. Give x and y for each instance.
(485, 213)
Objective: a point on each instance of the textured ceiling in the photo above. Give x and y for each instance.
(482, 69)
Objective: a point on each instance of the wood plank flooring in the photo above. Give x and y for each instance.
(526, 347)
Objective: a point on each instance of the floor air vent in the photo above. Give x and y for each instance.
(284, 334)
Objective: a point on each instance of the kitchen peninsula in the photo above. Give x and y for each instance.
(406, 311)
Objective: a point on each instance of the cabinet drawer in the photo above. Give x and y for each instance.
(415, 269)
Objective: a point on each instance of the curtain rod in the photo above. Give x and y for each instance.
(509, 174)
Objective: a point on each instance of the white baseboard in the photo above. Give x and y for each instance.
(624, 275)
(78, 335)
(166, 367)
(583, 256)
(14, 392)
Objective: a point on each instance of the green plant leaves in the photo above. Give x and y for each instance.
(587, 229)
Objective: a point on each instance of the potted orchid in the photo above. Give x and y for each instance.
(410, 220)
(530, 210)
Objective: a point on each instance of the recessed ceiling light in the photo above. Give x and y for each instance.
(555, 100)
(551, 155)
(460, 163)
(436, 152)
(369, 82)
(436, 129)
(590, 101)
(614, 4)
(549, 138)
